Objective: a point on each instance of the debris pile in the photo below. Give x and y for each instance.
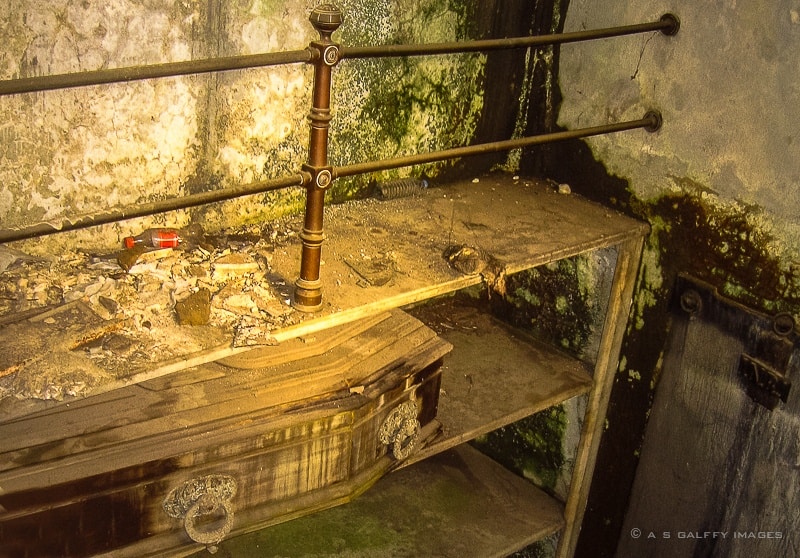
(72, 322)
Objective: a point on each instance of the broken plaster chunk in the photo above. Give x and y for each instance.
(131, 260)
(198, 271)
(252, 332)
(266, 301)
(104, 307)
(228, 290)
(276, 308)
(128, 258)
(156, 255)
(194, 309)
(234, 264)
(241, 303)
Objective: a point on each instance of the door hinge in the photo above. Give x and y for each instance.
(769, 342)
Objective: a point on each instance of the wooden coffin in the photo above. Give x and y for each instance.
(170, 465)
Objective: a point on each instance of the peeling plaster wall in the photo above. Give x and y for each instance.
(85, 150)
(728, 89)
(719, 184)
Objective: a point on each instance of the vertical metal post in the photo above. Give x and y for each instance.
(308, 288)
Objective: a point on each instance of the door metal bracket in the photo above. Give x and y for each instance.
(763, 383)
(771, 344)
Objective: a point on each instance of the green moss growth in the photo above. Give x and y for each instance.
(554, 302)
(322, 537)
(392, 107)
(533, 446)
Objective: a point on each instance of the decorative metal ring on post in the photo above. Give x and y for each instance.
(308, 288)
(331, 55)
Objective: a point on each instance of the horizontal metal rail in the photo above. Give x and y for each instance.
(167, 69)
(650, 122)
(667, 24)
(152, 208)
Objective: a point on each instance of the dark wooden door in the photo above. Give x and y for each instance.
(720, 472)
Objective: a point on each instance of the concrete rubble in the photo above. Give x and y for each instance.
(76, 320)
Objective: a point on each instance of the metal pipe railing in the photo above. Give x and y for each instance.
(168, 69)
(651, 122)
(308, 287)
(152, 208)
(667, 24)
(317, 175)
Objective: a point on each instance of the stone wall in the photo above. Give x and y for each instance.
(85, 150)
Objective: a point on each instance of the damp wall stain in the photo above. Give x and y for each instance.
(718, 183)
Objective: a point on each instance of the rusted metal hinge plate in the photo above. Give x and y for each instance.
(770, 344)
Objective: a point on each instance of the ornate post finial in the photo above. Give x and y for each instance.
(326, 19)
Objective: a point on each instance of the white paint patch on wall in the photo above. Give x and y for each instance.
(261, 124)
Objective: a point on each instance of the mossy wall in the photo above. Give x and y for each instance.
(85, 150)
(562, 303)
(540, 447)
(718, 183)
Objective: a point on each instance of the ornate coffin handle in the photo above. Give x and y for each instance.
(203, 496)
(400, 430)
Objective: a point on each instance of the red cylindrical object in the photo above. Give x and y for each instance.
(154, 238)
